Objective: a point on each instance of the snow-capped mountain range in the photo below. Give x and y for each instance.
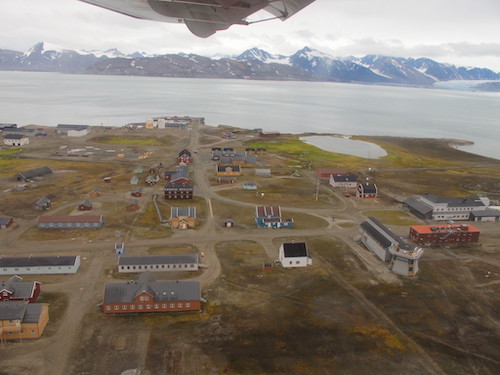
(306, 64)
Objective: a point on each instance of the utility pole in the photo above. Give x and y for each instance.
(317, 189)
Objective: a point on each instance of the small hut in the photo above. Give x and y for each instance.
(85, 206)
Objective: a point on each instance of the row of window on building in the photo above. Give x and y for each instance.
(156, 306)
(157, 266)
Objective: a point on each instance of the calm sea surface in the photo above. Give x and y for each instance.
(48, 99)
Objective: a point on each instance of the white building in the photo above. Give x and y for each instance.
(401, 256)
(73, 130)
(16, 140)
(429, 206)
(157, 263)
(349, 181)
(39, 265)
(294, 254)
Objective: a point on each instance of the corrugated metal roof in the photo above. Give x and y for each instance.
(38, 261)
(268, 211)
(33, 312)
(12, 310)
(127, 260)
(70, 219)
(35, 172)
(418, 205)
(183, 212)
(18, 288)
(161, 291)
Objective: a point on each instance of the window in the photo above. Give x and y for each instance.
(108, 308)
(172, 305)
(188, 304)
(141, 298)
(156, 306)
(140, 307)
(124, 307)
(32, 331)
(117, 307)
(179, 305)
(132, 307)
(148, 307)
(164, 306)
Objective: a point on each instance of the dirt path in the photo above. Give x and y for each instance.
(52, 355)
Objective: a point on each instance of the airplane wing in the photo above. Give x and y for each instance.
(202, 17)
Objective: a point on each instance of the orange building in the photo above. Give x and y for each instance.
(228, 170)
(20, 320)
(182, 217)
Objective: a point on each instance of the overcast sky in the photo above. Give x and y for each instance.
(461, 32)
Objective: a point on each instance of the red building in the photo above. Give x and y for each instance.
(326, 173)
(437, 234)
(142, 296)
(366, 190)
(15, 289)
(269, 134)
(85, 206)
(185, 157)
(178, 191)
(6, 222)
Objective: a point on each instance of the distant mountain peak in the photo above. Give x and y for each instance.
(254, 63)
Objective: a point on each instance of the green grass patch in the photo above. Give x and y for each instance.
(298, 152)
(393, 217)
(8, 152)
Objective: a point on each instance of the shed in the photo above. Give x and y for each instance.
(250, 186)
(133, 205)
(42, 204)
(136, 192)
(263, 172)
(119, 248)
(85, 206)
(6, 222)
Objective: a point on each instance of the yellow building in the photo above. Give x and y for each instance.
(20, 320)
(228, 170)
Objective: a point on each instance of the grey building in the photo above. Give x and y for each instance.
(390, 248)
(432, 207)
(158, 263)
(33, 173)
(70, 221)
(39, 265)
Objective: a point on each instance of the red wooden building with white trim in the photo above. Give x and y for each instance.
(146, 295)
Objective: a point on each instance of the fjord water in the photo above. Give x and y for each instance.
(47, 99)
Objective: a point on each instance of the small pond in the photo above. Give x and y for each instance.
(345, 145)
